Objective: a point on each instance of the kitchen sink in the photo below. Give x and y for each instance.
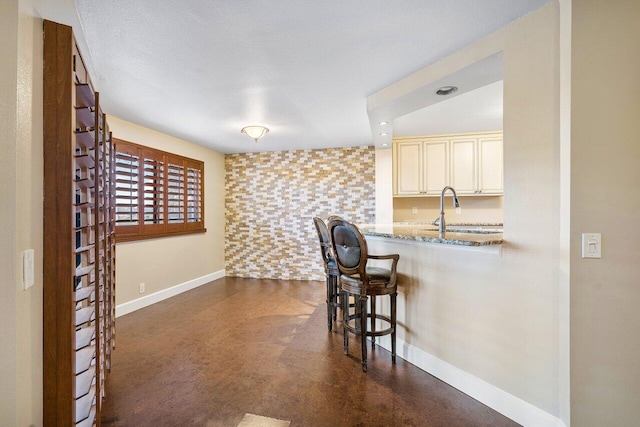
(474, 229)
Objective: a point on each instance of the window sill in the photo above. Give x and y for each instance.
(134, 237)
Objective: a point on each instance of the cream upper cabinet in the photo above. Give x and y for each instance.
(490, 165)
(421, 167)
(470, 163)
(464, 176)
(436, 166)
(409, 170)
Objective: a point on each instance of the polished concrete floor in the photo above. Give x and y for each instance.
(233, 347)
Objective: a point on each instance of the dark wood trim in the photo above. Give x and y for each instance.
(165, 153)
(59, 334)
(132, 238)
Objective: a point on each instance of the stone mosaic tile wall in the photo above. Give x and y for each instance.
(272, 197)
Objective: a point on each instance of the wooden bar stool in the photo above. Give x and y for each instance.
(363, 282)
(330, 270)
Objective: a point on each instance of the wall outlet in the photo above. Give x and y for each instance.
(141, 288)
(414, 210)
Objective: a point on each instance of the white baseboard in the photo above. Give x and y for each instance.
(497, 399)
(155, 297)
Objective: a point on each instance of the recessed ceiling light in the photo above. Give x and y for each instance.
(383, 134)
(383, 123)
(385, 145)
(446, 90)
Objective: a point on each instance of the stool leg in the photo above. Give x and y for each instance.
(373, 321)
(345, 321)
(393, 325)
(329, 299)
(363, 330)
(336, 297)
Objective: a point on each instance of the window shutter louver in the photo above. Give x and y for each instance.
(175, 193)
(194, 196)
(153, 191)
(127, 191)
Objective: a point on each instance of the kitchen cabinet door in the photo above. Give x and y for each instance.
(490, 175)
(436, 164)
(409, 168)
(463, 165)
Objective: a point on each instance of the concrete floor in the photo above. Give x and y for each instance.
(210, 356)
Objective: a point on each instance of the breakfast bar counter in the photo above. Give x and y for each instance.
(458, 234)
(453, 308)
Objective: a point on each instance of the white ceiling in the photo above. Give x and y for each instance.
(202, 69)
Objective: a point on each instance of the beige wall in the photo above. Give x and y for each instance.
(21, 162)
(498, 317)
(605, 160)
(29, 207)
(8, 210)
(384, 187)
(169, 261)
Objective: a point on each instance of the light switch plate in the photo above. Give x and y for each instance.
(27, 268)
(591, 245)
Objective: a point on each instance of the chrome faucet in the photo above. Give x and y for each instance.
(456, 204)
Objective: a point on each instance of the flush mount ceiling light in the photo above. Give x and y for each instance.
(383, 123)
(383, 134)
(255, 132)
(446, 90)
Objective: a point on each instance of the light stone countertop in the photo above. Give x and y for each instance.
(429, 233)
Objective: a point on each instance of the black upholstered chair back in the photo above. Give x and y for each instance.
(349, 246)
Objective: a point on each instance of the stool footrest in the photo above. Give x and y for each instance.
(377, 333)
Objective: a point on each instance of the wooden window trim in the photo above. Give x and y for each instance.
(163, 219)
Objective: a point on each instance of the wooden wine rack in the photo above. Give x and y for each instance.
(79, 237)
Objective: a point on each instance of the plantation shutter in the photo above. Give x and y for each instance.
(157, 193)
